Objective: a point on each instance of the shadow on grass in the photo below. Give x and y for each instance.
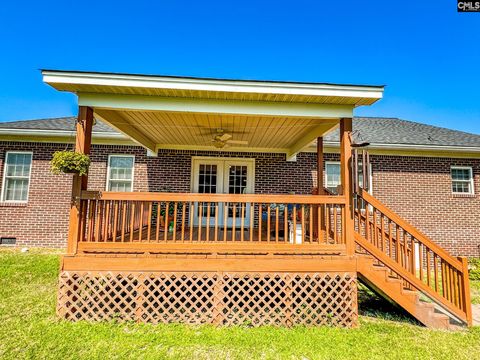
(372, 305)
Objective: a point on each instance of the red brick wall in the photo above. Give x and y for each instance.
(417, 188)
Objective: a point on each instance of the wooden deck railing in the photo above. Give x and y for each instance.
(412, 256)
(172, 221)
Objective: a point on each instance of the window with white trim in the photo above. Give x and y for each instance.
(462, 179)
(332, 176)
(16, 176)
(120, 172)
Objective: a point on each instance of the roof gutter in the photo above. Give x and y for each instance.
(58, 133)
(413, 147)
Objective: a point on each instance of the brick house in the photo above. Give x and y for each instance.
(412, 164)
(230, 201)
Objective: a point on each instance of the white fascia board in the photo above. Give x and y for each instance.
(234, 86)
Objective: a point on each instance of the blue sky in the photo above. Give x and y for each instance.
(426, 53)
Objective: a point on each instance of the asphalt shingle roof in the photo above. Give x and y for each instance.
(375, 130)
(54, 124)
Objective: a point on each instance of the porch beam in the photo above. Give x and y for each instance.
(235, 107)
(310, 135)
(79, 183)
(122, 125)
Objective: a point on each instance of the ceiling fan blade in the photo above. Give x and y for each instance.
(224, 137)
(238, 142)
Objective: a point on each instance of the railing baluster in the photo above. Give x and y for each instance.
(83, 220)
(200, 220)
(207, 228)
(140, 222)
(106, 221)
(303, 223)
(191, 213)
(98, 223)
(310, 222)
(157, 229)
(268, 222)
(124, 221)
(132, 220)
(216, 222)
(242, 223)
(225, 218)
(166, 210)
(294, 215)
(335, 238)
(234, 218)
(252, 215)
(285, 223)
(260, 214)
(184, 206)
(174, 227)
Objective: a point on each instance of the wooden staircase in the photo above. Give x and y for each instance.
(401, 264)
(379, 279)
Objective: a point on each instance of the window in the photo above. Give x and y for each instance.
(462, 180)
(16, 176)
(120, 172)
(332, 176)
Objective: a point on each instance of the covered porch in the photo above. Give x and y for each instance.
(224, 211)
(226, 239)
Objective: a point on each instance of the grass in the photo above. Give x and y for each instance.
(475, 288)
(29, 329)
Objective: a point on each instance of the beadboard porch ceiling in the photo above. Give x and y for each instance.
(161, 112)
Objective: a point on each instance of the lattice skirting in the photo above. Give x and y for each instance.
(221, 298)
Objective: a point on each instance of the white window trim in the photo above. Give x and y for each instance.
(471, 181)
(370, 178)
(110, 156)
(2, 198)
(325, 172)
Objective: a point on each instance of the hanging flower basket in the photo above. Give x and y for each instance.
(69, 162)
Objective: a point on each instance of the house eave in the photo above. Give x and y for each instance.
(75, 81)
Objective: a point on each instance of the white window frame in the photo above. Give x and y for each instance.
(325, 172)
(471, 181)
(4, 180)
(107, 187)
(370, 190)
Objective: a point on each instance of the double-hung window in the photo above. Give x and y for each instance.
(332, 176)
(16, 176)
(462, 180)
(120, 172)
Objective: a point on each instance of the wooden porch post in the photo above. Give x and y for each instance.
(82, 145)
(320, 185)
(345, 168)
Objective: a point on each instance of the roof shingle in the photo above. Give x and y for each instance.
(375, 130)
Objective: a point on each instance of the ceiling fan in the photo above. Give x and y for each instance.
(223, 139)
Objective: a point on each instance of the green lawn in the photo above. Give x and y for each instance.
(29, 329)
(475, 287)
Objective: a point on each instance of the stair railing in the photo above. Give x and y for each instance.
(412, 256)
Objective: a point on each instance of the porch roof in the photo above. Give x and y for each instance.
(178, 112)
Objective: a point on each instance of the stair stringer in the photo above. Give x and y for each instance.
(378, 279)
